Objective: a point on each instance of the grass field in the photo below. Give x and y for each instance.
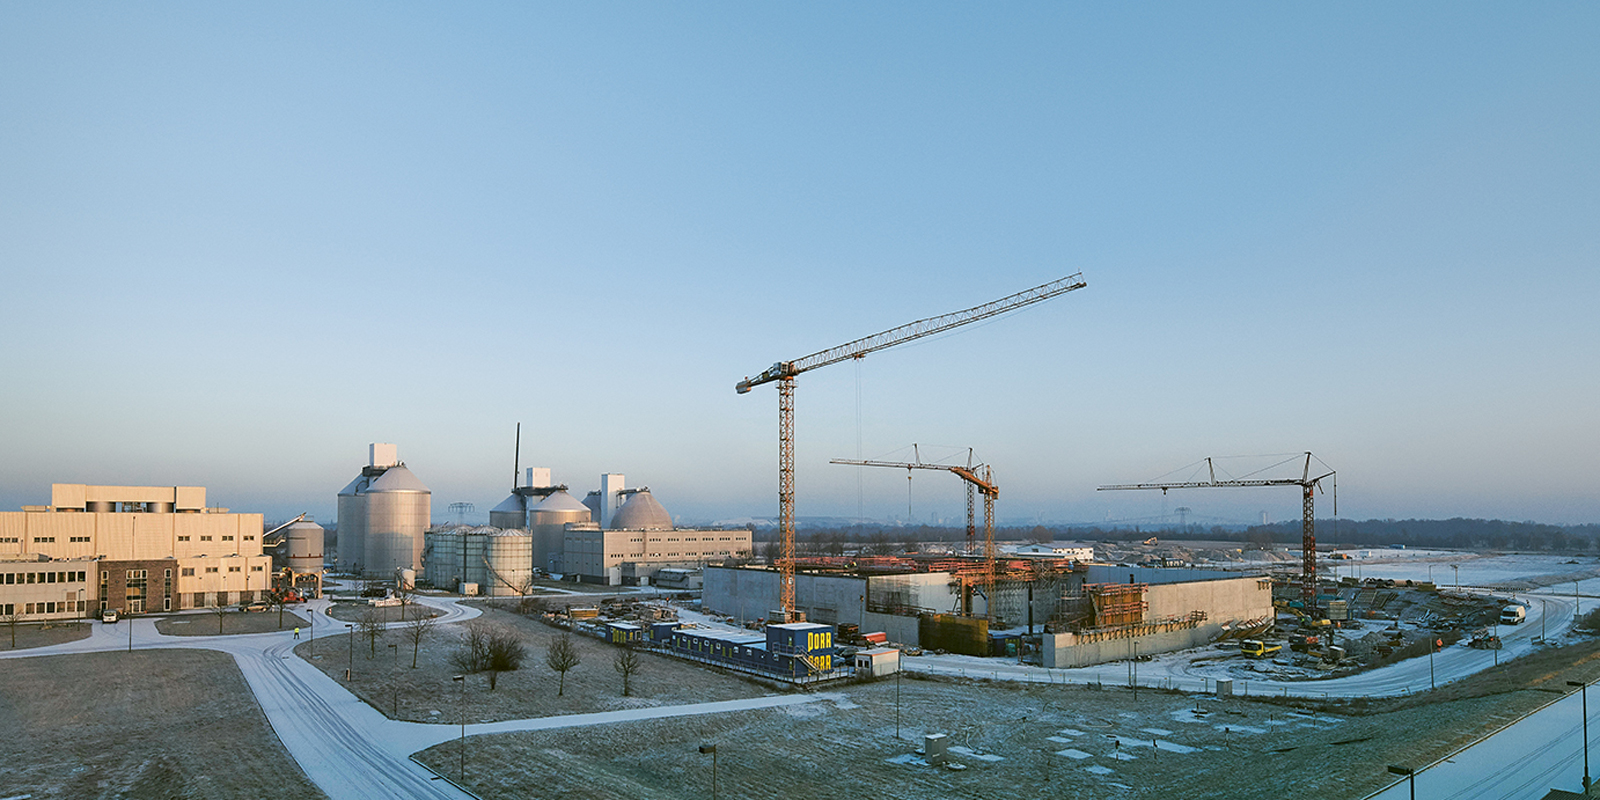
(147, 725)
(1022, 741)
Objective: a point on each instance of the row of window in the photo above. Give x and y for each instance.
(10, 578)
(208, 538)
(47, 608)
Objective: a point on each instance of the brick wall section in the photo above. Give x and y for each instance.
(157, 586)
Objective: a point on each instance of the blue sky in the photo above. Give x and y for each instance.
(239, 242)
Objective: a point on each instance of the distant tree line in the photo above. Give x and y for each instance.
(1484, 534)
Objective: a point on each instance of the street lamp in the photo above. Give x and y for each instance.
(461, 708)
(1456, 568)
(712, 749)
(350, 665)
(1411, 775)
(1584, 688)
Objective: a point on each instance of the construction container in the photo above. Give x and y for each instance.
(954, 634)
(878, 662)
(623, 632)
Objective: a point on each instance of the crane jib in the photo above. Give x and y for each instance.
(912, 330)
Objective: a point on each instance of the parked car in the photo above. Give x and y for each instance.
(108, 615)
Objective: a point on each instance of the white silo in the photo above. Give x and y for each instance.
(398, 506)
(547, 524)
(305, 547)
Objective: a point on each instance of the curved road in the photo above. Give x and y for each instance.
(346, 747)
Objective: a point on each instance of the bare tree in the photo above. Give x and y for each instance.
(627, 664)
(275, 600)
(562, 657)
(405, 594)
(506, 653)
(415, 631)
(10, 621)
(370, 626)
(220, 612)
(485, 648)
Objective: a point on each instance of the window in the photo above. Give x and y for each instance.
(183, 538)
(188, 572)
(9, 540)
(205, 538)
(31, 576)
(256, 568)
(233, 569)
(210, 570)
(78, 539)
(44, 540)
(227, 538)
(249, 538)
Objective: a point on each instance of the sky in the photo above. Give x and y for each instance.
(239, 242)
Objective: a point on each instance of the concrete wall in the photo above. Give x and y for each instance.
(748, 594)
(1224, 602)
(1111, 573)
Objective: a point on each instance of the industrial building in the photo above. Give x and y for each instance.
(636, 541)
(382, 515)
(135, 549)
(1081, 614)
(615, 536)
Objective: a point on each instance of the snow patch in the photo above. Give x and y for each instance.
(970, 753)
(1099, 770)
(1072, 753)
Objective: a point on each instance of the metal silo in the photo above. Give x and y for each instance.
(305, 547)
(441, 560)
(398, 507)
(547, 524)
(352, 522)
(511, 513)
(507, 563)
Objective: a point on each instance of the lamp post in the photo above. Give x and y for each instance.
(712, 749)
(1456, 568)
(312, 615)
(1135, 666)
(897, 672)
(350, 664)
(1411, 775)
(1584, 688)
(1433, 645)
(461, 708)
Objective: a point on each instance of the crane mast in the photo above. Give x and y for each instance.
(784, 372)
(1308, 532)
(978, 478)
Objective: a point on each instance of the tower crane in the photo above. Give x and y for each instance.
(979, 479)
(1308, 533)
(784, 372)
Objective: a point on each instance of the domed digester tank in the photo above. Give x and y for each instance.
(398, 510)
(642, 512)
(547, 524)
(305, 547)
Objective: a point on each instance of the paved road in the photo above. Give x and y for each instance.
(346, 747)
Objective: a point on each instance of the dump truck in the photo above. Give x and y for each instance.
(1255, 648)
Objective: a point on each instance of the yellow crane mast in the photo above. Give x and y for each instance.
(784, 372)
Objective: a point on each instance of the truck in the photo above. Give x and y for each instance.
(1255, 648)
(1513, 615)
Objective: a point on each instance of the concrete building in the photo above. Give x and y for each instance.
(1093, 613)
(132, 548)
(641, 541)
(382, 515)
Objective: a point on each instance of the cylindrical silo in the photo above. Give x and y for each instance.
(547, 524)
(352, 524)
(511, 513)
(507, 563)
(305, 547)
(398, 508)
(441, 559)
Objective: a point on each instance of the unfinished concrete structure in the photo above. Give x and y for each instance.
(1084, 614)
